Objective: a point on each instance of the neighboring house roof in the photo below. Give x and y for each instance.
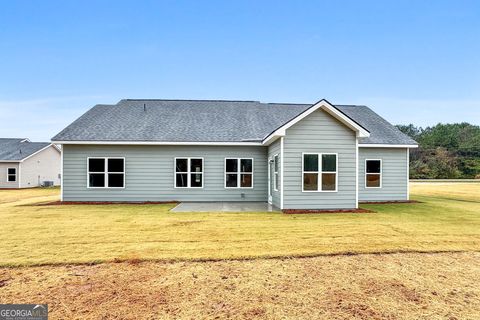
(207, 121)
(17, 149)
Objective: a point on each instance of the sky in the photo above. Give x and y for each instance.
(411, 61)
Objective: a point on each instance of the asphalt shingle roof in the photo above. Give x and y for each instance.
(17, 149)
(381, 131)
(206, 121)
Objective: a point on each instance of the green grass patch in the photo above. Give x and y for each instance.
(447, 219)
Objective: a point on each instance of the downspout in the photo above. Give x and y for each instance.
(282, 160)
(61, 173)
(356, 172)
(408, 174)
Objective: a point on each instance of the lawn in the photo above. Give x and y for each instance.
(447, 219)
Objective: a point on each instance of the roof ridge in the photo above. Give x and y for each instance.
(205, 100)
(291, 103)
(350, 105)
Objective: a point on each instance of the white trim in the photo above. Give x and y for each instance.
(238, 173)
(13, 174)
(380, 173)
(320, 171)
(162, 143)
(19, 175)
(282, 148)
(356, 173)
(188, 172)
(275, 173)
(367, 145)
(327, 107)
(56, 147)
(106, 173)
(408, 174)
(61, 174)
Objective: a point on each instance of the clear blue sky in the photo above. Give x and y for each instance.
(411, 61)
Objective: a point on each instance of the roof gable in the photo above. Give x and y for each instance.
(325, 106)
(19, 149)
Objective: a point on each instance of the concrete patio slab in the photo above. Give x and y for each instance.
(225, 207)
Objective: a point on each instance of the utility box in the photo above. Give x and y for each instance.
(47, 184)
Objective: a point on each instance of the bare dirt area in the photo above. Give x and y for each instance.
(368, 286)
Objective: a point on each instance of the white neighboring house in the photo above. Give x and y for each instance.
(26, 164)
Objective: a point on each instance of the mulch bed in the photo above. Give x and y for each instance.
(301, 211)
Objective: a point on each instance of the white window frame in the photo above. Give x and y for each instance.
(15, 174)
(238, 173)
(320, 171)
(188, 172)
(380, 174)
(106, 173)
(276, 166)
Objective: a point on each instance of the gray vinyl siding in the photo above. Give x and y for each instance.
(4, 183)
(319, 133)
(394, 174)
(273, 150)
(150, 173)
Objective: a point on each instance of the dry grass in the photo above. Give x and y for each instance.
(25, 196)
(383, 286)
(468, 191)
(364, 286)
(33, 235)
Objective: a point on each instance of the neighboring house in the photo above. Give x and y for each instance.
(25, 164)
(296, 156)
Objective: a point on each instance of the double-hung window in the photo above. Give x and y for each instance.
(106, 172)
(238, 173)
(275, 172)
(188, 172)
(12, 174)
(320, 172)
(373, 173)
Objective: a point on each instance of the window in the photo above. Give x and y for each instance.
(238, 173)
(319, 172)
(188, 172)
(373, 173)
(12, 174)
(106, 172)
(275, 172)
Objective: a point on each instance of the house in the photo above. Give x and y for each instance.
(25, 164)
(295, 156)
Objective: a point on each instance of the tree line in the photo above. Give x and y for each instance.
(446, 151)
